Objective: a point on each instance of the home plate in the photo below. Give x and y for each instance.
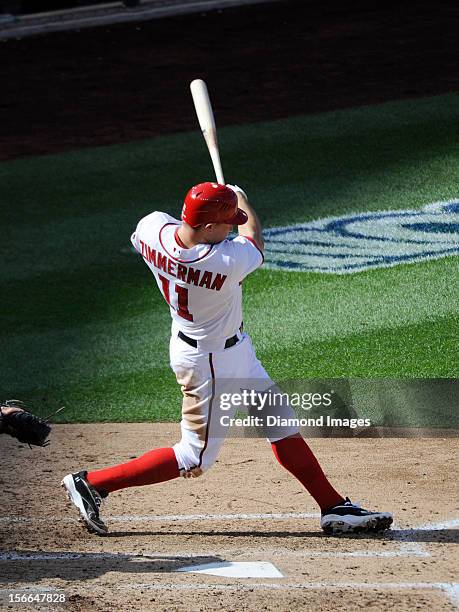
(235, 569)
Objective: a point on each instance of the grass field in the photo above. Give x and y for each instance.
(84, 325)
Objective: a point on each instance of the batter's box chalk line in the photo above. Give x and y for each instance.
(451, 589)
(169, 518)
(403, 551)
(406, 548)
(280, 516)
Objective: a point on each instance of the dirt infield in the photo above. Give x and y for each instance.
(247, 508)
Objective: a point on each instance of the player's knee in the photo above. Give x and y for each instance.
(192, 461)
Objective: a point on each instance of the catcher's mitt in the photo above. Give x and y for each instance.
(18, 422)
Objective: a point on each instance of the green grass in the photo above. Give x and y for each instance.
(83, 324)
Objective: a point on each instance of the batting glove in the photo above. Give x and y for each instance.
(237, 189)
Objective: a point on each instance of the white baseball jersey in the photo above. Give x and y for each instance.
(202, 285)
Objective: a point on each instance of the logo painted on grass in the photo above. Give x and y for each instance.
(357, 242)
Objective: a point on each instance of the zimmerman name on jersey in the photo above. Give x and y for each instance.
(202, 284)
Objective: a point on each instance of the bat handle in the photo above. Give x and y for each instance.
(210, 136)
(215, 157)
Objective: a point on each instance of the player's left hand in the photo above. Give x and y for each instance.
(238, 189)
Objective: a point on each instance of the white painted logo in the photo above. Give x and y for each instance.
(357, 242)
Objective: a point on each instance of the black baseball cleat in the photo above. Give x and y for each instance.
(87, 500)
(347, 517)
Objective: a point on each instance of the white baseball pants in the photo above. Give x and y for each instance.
(204, 377)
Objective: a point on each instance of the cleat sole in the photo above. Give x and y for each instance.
(68, 486)
(374, 524)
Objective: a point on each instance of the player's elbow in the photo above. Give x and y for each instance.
(260, 242)
(255, 237)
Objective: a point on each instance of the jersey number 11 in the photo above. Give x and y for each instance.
(182, 298)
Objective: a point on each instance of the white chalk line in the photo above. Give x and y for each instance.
(404, 536)
(403, 552)
(453, 594)
(452, 524)
(280, 516)
(70, 556)
(293, 585)
(406, 549)
(147, 518)
(444, 586)
(451, 589)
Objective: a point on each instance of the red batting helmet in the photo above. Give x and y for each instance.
(212, 203)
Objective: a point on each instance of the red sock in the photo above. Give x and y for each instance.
(296, 457)
(157, 465)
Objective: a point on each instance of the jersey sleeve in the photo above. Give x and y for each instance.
(247, 256)
(137, 235)
(135, 239)
(146, 226)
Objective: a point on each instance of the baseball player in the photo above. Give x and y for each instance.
(199, 272)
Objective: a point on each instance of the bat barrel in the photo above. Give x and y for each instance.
(204, 112)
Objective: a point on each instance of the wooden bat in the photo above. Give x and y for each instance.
(207, 124)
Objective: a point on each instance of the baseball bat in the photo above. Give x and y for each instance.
(207, 124)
